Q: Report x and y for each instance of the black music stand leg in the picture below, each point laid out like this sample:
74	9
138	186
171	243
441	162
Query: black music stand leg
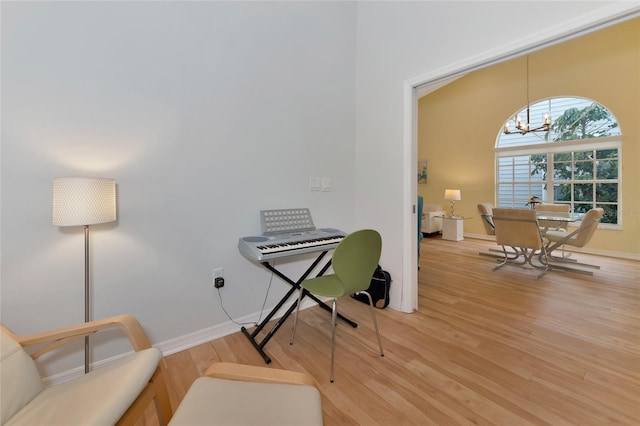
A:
252	336
306	293
258	347
294	286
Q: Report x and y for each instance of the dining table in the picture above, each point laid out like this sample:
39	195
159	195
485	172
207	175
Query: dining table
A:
556	220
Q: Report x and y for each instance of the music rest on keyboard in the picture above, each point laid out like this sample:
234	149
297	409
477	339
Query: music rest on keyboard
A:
266	247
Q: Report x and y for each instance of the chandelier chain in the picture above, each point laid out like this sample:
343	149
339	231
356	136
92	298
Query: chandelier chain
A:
528	100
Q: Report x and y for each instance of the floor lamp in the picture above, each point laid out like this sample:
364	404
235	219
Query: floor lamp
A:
79	201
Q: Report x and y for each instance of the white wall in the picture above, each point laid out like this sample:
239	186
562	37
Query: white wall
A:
204	113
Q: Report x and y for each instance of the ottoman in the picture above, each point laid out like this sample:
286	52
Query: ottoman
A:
234	394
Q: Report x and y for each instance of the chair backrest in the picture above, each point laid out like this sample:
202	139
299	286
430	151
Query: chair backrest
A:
355	259
552	208
486	211
517	228
587	228
20	381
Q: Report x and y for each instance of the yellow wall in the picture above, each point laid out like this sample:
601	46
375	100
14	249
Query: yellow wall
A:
459	123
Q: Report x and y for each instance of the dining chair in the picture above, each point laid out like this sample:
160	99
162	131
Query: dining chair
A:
518	228
354	261
578	238
549	210
486	213
117	393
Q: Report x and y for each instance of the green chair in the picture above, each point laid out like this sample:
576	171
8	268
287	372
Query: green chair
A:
354	261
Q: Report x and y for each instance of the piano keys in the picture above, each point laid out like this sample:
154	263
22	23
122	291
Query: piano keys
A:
266	247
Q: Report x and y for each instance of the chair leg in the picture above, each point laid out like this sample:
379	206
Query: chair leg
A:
555	263
511	257
295	318
573	262
504	262
334	314
493	252
161	401
375	323
156	392
546	266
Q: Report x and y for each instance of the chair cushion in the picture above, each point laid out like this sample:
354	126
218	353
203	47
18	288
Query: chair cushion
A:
100	397
326	285
556	235
212	401
19	378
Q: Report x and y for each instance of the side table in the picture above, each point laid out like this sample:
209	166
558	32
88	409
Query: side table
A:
452	228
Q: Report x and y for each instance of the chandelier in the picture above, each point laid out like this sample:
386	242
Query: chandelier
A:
524	128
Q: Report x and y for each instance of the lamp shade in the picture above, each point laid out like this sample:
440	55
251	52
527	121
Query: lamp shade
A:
83	201
452	194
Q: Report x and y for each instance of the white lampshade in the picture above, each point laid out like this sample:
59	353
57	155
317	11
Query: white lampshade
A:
83	201
452	194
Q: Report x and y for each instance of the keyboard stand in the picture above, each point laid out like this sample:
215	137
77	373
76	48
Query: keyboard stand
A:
294	286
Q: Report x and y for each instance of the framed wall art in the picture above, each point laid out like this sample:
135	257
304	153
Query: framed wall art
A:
422	172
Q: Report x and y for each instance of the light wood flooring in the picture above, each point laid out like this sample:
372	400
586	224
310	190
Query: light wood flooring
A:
484	348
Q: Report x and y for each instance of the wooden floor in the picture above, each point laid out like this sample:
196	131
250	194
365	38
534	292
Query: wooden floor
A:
484	348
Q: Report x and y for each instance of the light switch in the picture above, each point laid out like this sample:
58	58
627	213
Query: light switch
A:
315	184
327	184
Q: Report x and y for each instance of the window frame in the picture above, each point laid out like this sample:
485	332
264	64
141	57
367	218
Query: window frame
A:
550	148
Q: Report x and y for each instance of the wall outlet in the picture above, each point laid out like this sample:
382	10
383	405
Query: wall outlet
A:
218	279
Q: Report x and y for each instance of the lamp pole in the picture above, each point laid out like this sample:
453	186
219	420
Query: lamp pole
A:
87	316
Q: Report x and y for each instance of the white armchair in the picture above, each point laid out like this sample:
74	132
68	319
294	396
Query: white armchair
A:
114	394
431	218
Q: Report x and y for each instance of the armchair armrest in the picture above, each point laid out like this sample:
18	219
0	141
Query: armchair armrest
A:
251	373
431	222
56	338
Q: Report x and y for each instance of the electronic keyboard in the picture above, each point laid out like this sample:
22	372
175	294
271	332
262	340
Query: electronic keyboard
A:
265	247
288	232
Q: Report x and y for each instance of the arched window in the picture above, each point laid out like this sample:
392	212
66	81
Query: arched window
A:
576	162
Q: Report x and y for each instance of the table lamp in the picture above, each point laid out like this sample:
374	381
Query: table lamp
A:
452	195
79	201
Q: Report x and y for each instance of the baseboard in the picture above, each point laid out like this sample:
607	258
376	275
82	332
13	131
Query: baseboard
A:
188	341
177	344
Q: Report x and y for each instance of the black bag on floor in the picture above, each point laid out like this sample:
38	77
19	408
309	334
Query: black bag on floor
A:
379	289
